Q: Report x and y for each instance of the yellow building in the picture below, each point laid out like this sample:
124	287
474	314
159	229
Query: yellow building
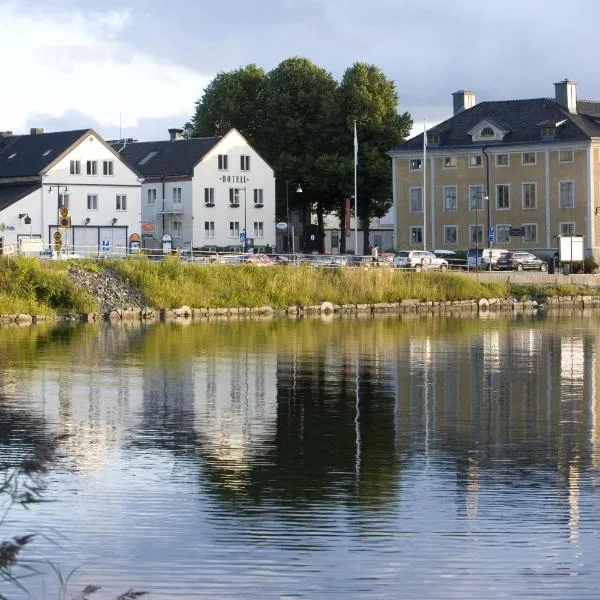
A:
516	172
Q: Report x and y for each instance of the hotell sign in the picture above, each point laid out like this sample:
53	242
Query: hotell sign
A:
234	178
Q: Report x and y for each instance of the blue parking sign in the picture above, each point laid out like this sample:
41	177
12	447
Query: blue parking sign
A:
491	234
242	236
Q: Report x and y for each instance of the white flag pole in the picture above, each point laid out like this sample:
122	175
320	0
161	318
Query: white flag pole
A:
355	191
424	186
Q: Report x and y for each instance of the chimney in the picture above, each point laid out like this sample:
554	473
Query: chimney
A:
565	93
463	100
175	134
36	130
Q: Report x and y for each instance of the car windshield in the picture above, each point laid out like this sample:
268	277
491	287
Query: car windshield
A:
403	254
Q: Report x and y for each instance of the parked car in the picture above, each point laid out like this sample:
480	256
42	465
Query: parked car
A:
485	256
521	261
456	260
419	260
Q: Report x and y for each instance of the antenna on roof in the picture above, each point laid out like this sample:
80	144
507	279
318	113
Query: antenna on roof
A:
120	134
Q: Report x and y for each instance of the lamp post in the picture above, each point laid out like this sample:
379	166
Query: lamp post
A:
58	186
245	223
489	229
287	212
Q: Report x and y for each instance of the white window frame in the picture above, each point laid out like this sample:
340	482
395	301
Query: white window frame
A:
75	167
526	239
523	186
570	153
415	164
209	229
151	199
258	197
448	228
121	202
487	132
91	167
234	229
234	196
504	227
415	229
507	164
92	201
176	229
452	207
560	196
259	229
176	195
476	229
562	229
503	186
476	193
527	163
222	162
475	161
108	168
410	199
244	162
449	162
209	195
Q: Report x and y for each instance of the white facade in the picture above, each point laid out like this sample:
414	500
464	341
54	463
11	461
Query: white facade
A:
215	205
103	196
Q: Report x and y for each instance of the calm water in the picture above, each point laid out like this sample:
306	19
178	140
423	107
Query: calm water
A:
364	458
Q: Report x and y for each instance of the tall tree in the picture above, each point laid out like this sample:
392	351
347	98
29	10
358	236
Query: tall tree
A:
370	98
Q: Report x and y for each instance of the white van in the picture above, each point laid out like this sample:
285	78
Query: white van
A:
485	256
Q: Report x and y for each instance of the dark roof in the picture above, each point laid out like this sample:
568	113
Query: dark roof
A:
522	118
27	155
11	193
178	157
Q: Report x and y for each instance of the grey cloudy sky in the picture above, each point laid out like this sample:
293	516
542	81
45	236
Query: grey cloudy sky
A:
137	66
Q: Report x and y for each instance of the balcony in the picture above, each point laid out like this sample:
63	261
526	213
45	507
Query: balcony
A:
169	208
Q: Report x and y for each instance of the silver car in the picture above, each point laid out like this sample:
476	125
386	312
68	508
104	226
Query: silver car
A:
418	260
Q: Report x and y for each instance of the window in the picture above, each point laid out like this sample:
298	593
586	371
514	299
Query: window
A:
548	132
566	194
91	167
121	202
209	196
475	197
177	195
234	229
244	162
528	158
75	167
222	160
107	167
151	196
529	195
449	162
335	239
449	198
415	164
475	234
433	139
176	227
450	234
92	201
258	197
475	161
502	160
259	229
502	234
487	132
415	199
566	228
63	199
209	229
234	196
502	196
566	156
530	232
416	234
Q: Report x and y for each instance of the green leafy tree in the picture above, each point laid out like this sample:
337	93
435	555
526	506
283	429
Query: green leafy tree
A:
370	98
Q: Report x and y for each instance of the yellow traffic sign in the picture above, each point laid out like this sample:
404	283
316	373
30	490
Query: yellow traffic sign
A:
57	236
64	211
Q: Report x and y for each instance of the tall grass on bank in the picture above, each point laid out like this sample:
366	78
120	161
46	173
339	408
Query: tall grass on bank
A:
172	283
30	286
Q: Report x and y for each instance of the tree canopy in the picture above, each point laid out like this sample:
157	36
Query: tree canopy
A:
301	120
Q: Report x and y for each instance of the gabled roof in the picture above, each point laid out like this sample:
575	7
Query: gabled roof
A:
29	155
521	117
167	158
11	193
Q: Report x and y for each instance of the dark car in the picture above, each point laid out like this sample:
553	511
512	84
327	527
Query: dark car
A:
520	261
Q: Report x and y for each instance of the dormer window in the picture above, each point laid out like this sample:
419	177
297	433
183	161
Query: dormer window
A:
415	164
487	132
548	132
433	139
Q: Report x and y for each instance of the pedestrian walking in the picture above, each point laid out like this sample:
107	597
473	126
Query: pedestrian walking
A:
375	253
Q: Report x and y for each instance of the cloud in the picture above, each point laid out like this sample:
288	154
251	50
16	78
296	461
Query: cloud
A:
78	61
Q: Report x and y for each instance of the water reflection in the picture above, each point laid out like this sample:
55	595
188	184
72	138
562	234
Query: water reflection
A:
354	458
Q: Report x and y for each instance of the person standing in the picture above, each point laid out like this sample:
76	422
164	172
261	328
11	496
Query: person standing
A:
375	253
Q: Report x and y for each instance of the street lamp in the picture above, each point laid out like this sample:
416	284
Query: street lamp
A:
489	229
245	221
287	209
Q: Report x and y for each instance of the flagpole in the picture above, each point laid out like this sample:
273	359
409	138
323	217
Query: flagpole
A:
424	186
355	192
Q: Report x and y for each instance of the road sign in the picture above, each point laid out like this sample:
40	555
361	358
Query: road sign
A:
516	231
242	236
65	222
491	234
281	225
57	236
105	245
64	211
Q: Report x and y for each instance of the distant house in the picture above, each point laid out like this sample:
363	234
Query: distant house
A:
513	174
69	190
204	193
